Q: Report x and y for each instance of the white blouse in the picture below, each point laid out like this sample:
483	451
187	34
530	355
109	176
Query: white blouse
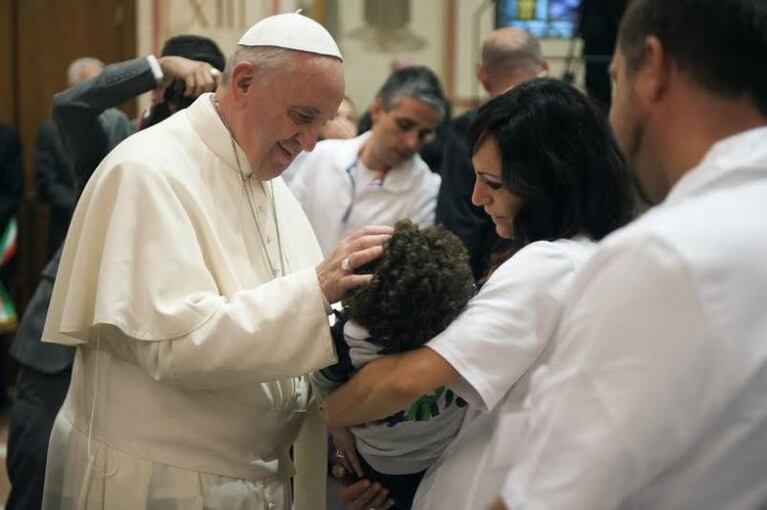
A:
494	345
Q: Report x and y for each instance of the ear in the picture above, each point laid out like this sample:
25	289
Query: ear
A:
376	110
243	77
653	76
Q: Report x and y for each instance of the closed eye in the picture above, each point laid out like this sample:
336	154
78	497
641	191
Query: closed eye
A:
490	183
300	117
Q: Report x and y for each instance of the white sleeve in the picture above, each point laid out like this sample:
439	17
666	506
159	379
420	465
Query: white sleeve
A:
260	335
506	326
631	383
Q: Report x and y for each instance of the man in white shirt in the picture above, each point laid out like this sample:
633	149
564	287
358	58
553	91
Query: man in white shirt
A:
377	178
655	397
196	295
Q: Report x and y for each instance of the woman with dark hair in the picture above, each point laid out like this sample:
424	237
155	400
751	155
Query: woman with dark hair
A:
549	174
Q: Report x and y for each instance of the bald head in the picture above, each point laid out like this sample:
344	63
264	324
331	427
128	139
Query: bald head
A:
509	57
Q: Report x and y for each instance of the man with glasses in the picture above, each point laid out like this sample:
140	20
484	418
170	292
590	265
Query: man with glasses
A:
378	177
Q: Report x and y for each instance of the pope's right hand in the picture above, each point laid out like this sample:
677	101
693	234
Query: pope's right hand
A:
336	273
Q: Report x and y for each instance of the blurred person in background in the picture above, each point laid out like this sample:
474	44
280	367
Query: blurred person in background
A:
377	178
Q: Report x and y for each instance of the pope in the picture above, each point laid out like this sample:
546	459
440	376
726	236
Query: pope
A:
195	292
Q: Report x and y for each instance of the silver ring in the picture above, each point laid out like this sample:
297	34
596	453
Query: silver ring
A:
345	265
215	72
340	454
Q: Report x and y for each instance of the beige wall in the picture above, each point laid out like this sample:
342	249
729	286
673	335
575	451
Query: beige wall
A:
366	65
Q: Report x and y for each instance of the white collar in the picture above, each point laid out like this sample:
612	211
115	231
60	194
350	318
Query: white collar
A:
737	156
206	121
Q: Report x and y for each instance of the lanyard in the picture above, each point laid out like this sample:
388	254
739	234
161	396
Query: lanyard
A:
351	171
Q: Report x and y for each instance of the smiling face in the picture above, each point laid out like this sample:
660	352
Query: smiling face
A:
280	112
489	192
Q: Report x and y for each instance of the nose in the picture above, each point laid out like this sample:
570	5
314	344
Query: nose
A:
479	195
307	138
412	142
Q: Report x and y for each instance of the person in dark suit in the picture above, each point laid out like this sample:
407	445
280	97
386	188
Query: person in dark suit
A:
55	176
510	56
55	182
91	127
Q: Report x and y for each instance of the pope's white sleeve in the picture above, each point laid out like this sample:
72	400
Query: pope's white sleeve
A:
631	383
276	330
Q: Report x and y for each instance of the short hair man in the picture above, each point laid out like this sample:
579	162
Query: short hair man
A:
654	397
377	177
510	56
194	290
83	68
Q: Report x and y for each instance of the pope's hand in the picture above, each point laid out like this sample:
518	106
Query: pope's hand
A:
336	273
199	76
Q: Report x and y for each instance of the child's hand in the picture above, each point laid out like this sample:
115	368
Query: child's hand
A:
346	453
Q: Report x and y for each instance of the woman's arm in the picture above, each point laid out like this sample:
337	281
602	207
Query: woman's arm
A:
387	385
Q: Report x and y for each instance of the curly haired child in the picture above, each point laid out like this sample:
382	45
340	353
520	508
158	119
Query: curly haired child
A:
421	283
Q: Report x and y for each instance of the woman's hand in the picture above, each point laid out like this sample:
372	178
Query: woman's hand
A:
346	452
361	495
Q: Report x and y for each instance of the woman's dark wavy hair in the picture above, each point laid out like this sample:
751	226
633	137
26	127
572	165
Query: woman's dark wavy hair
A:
421	283
559	155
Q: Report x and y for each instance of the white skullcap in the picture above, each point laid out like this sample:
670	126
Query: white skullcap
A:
292	32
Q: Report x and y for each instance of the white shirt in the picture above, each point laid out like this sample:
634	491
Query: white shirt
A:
656	394
340	195
494	345
187	379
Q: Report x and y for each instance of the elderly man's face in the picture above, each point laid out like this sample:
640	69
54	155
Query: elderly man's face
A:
400	132
283	113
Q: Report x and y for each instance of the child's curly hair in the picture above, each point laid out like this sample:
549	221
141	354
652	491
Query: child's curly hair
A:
421	283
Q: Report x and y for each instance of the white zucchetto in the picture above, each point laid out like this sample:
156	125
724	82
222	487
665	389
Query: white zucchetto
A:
293	32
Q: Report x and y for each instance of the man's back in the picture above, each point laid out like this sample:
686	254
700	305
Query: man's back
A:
667	382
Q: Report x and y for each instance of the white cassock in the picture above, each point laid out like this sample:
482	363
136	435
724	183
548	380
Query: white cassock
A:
187	388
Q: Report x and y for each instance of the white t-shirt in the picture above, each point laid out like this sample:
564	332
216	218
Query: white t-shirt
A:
339	194
494	345
655	397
